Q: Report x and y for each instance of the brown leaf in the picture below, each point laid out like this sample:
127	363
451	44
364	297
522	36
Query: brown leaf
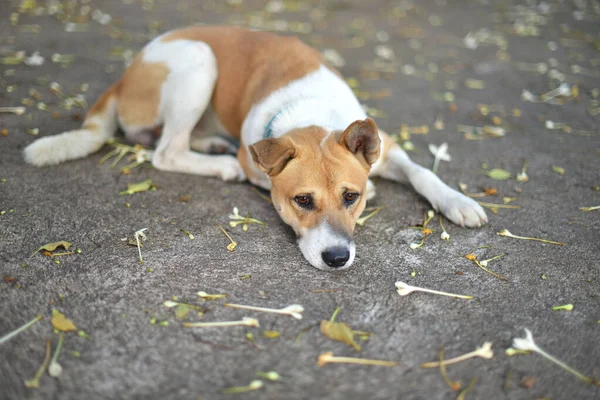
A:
60	322
528	382
9	279
339	331
53	246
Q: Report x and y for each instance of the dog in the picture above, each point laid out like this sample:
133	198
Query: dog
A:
302	133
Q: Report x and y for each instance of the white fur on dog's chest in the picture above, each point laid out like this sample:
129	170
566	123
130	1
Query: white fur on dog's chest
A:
320	98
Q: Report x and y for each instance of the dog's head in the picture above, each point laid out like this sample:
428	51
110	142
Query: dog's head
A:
319	181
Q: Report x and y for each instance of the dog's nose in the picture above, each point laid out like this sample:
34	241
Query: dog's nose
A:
336	256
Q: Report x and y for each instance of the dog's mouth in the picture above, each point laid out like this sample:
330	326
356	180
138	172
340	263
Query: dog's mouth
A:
326	249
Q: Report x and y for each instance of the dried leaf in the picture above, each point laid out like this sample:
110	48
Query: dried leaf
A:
53	246
206	296
138	187
62	323
498	174
339	331
181	311
271	334
528	382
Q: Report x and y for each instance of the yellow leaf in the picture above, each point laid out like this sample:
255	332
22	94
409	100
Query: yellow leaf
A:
271	334
60	322
558	170
53	246
138	187
206	296
181	311
339	331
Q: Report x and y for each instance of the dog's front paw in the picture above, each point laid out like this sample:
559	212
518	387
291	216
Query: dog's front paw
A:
229	169
463	210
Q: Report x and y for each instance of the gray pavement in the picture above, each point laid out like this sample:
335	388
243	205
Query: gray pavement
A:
114	299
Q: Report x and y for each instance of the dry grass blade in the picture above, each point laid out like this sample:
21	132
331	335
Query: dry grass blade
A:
35	382
506	232
454	385
14	333
463	394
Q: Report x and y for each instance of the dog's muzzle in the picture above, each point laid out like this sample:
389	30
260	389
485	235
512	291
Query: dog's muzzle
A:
327	249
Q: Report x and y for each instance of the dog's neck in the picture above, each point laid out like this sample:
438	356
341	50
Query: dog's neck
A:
321	98
303	113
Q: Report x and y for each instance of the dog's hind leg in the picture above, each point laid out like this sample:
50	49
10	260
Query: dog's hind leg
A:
458	208
186	95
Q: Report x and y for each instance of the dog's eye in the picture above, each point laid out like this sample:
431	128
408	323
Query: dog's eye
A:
350	197
304	201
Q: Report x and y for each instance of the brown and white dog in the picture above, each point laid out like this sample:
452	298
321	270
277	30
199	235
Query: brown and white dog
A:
303	134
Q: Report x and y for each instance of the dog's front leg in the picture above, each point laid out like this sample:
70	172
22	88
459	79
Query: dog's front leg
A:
458	208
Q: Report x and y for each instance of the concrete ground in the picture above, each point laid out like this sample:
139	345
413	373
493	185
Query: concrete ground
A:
131	351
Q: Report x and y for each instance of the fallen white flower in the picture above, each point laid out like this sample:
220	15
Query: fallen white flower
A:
527	344
405	289
35	60
55	369
295	310
140	234
244	322
440	153
485	351
14	110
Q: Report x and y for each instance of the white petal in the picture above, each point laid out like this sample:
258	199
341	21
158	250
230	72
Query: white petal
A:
297	308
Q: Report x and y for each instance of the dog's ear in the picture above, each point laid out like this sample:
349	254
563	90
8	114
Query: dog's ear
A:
271	155
362	139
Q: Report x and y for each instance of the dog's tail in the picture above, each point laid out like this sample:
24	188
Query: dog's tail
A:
99	125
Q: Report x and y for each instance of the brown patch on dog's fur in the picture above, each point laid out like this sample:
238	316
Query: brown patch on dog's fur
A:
140	92
101	104
252	65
